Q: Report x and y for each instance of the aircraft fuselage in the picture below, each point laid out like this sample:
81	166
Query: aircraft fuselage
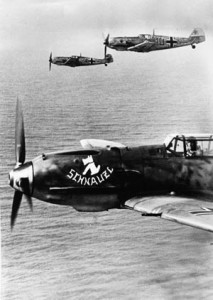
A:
92	180
148	42
77	61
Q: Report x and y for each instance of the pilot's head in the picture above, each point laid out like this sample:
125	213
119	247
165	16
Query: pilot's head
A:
193	144
170	145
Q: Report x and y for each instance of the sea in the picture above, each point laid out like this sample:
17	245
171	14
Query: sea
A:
58	253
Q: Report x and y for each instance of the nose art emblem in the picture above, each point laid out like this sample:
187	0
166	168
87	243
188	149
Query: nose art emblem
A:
90	166
92	174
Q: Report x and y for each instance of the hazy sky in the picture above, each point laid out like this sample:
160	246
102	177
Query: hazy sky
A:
30	24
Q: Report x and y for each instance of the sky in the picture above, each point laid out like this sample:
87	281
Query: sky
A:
75	24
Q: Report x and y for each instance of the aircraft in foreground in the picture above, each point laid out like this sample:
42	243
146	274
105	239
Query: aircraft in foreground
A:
77	61
153	42
173	180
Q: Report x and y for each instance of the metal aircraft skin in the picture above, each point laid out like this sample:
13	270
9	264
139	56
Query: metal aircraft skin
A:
153	42
77	61
172	180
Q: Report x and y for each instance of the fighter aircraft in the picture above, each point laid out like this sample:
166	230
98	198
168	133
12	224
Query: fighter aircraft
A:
172	180
153	42
77	61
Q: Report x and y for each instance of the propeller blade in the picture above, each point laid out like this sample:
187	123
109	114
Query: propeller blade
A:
24	183
50	61
16	204
19	135
29	201
26	188
106	41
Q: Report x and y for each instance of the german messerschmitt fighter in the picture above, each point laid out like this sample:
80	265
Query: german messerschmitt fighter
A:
173	180
77	61
153	42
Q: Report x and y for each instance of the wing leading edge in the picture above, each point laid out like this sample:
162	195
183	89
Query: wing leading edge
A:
198	214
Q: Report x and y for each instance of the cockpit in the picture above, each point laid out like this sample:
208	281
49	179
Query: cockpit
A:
189	145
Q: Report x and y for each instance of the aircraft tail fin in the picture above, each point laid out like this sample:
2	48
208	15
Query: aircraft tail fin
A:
197	35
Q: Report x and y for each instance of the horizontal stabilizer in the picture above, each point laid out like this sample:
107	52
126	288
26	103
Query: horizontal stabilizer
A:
197	35
197	32
90	144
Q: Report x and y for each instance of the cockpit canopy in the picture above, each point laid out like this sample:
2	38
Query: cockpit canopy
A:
188	145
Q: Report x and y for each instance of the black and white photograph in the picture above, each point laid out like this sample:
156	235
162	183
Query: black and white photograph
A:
106	133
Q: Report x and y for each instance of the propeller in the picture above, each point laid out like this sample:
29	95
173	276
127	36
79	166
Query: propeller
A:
50	61
19	135
22	173
106	43
105	51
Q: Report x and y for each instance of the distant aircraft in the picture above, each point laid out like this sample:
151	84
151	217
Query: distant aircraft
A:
173	180
77	61
153	42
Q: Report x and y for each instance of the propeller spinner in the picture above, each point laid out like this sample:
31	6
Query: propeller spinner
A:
21	177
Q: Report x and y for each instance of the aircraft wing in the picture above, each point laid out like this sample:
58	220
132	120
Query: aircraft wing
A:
91	144
185	211
142	47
